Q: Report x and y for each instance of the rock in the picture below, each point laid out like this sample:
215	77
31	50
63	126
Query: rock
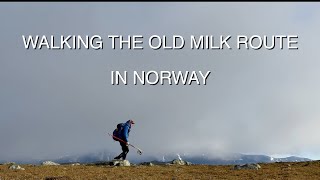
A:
75	164
180	162
16	167
119	163
247	166
9	163
49	163
147	164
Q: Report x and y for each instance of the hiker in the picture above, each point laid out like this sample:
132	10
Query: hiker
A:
123	134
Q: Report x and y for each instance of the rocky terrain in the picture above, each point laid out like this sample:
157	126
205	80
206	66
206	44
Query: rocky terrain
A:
175	169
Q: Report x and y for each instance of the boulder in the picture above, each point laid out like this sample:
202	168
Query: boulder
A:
49	163
119	163
180	162
247	166
16	167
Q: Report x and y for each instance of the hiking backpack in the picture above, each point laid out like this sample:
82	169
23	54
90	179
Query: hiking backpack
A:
117	132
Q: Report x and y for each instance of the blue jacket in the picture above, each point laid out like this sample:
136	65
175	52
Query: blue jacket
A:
125	131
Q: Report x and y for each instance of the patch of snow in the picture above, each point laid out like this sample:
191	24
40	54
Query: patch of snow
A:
179	157
49	163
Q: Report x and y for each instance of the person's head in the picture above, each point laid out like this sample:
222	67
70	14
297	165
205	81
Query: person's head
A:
131	121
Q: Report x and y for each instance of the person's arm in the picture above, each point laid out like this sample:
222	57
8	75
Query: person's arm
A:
125	133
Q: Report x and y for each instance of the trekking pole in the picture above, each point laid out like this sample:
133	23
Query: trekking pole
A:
139	150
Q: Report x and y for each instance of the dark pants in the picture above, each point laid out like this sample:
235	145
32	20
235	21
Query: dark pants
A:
125	150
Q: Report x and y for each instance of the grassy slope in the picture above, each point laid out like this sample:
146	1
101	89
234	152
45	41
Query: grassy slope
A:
302	170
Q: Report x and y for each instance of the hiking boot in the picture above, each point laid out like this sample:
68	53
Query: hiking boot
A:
117	158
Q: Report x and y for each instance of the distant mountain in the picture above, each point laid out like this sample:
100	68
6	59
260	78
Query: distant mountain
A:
241	159
291	159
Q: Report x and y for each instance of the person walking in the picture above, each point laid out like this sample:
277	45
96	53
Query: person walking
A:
123	131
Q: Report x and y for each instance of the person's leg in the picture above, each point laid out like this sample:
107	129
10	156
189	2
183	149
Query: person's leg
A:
125	150
118	157
121	154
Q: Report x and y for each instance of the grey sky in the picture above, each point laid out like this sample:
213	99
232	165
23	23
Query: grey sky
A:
54	103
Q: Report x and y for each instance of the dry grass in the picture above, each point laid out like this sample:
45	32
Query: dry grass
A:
302	170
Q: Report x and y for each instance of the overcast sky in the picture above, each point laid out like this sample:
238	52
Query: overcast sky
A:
54	103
